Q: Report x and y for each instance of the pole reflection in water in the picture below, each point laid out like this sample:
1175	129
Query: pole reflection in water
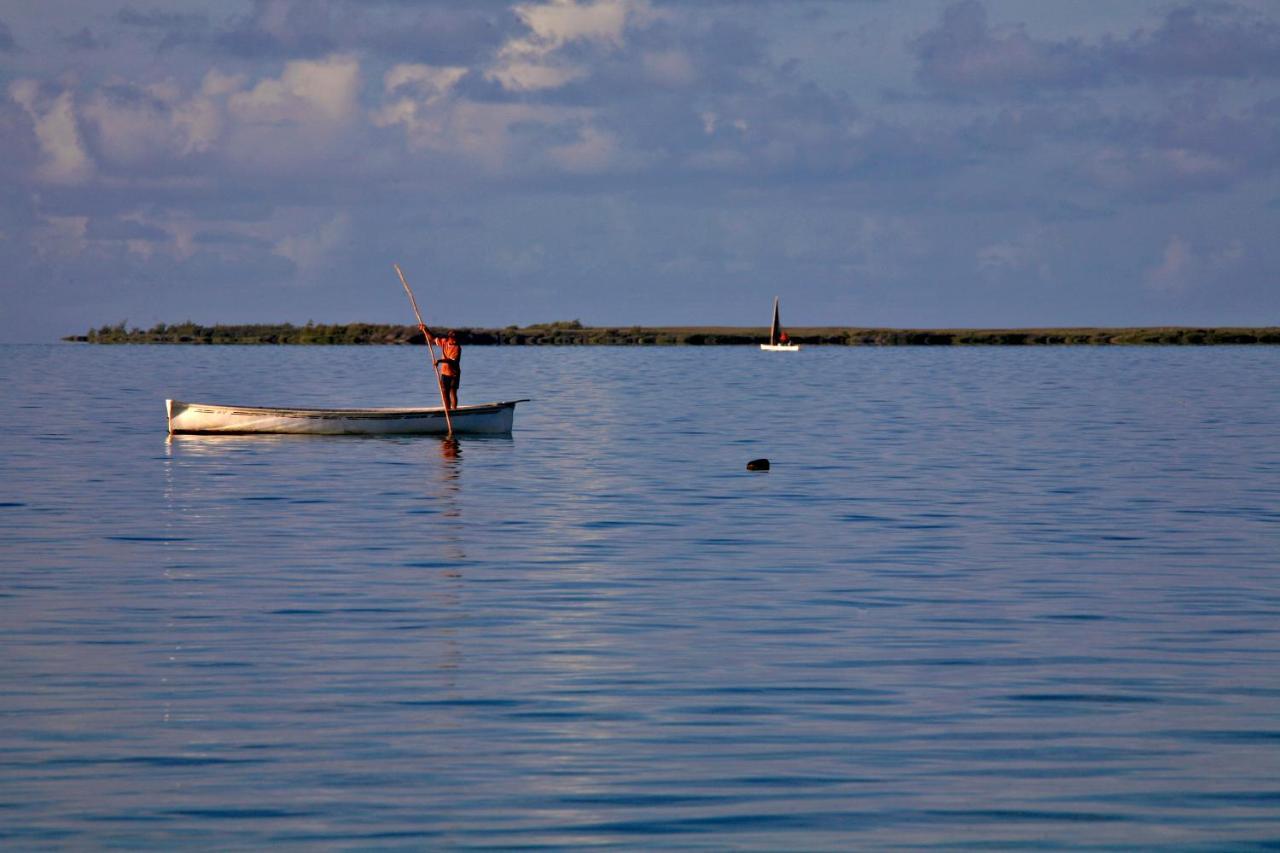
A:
448	595
450	478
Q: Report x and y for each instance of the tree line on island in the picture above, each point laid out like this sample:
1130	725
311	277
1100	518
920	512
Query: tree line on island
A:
572	332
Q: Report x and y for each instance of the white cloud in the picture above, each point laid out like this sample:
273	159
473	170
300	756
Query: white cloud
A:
424	101
562	21
61	235
669	67
157	123
65	159
594	151
1228	256
216	83
531	63
1022	254
1183	266
421	102
429	81
311	249
308	92
1174	270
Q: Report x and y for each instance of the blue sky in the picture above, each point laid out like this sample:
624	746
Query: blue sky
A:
906	163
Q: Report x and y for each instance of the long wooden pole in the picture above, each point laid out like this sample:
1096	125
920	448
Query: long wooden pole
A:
430	346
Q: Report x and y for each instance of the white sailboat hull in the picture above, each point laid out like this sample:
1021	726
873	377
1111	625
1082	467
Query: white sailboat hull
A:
204	418
780	347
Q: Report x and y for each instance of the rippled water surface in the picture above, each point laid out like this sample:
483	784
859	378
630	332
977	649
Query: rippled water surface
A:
985	596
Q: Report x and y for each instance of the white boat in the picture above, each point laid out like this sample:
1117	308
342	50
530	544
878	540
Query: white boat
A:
776	343
482	418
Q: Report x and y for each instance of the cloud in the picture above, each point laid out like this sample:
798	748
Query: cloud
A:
59	235
155	19
592	151
64	158
151	125
277	28
85	40
964	55
320	91
231	124
7	44
1020	255
122	229
311	249
231	239
493	137
1203	40
442	32
167	30
1195	145
1182	268
1173	271
538	61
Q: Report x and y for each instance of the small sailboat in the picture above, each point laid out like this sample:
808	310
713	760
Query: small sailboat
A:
778	340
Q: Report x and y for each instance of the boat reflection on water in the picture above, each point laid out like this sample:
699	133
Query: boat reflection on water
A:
222	445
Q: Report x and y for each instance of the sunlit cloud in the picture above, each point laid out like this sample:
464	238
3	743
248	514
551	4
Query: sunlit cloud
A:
310	249
308	92
532	62
64	158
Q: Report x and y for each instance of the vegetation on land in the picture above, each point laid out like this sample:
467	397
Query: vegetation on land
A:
572	332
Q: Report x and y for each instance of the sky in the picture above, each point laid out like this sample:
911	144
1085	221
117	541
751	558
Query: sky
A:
901	163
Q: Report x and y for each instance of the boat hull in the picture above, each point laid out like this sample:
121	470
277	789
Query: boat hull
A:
780	347
205	419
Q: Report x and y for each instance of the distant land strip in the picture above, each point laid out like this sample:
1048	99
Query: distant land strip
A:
572	332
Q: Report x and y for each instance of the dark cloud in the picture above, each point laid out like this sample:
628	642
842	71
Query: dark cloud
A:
167	30
438	36
1193	147
19	148
122	229
685	148
7	44
231	238
965	55
84	40
133	95
275	29
1204	40
442	33
699	102
155	19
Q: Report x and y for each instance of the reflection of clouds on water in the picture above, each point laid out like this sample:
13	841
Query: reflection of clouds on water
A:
348	549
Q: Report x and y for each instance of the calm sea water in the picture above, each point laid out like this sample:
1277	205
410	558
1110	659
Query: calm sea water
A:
985	597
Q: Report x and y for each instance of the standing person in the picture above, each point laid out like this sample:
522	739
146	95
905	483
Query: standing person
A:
450	363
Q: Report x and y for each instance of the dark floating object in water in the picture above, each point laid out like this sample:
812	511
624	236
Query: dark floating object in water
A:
758	465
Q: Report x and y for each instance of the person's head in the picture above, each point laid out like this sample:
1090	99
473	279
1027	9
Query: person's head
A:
452	334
